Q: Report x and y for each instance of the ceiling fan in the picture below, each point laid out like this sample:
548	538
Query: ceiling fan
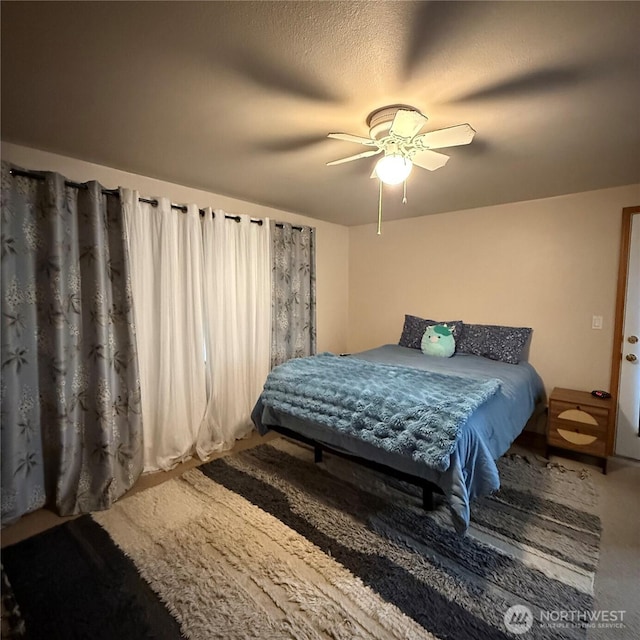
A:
395	131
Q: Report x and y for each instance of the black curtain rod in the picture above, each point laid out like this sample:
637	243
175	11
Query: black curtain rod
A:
35	175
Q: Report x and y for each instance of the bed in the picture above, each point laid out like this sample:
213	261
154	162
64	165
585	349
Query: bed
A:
505	396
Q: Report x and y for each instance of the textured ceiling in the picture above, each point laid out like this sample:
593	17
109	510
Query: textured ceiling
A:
237	97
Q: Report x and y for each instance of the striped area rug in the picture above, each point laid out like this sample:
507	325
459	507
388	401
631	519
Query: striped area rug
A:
267	544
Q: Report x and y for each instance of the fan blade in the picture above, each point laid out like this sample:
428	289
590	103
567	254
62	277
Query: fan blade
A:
407	123
430	160
450	137
364	154
350	138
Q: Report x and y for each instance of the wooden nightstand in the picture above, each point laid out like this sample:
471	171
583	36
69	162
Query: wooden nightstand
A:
581	422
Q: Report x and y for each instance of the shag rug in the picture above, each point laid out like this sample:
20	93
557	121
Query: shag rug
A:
267	544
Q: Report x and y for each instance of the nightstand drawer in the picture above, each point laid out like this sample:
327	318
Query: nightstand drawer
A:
579	437
571	411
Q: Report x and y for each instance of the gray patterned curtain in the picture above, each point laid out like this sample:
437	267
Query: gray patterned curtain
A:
293	299
71	424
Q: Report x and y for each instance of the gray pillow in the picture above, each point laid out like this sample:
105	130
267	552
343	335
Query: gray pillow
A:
414	328
506	344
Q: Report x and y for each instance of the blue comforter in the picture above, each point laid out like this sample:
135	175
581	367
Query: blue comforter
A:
480	439
401	409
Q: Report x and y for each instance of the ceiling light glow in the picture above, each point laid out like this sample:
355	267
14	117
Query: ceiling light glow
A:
393	169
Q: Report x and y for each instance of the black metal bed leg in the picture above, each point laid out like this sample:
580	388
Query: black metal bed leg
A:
427	498
317	453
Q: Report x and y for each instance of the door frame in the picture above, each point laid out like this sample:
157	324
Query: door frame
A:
618	327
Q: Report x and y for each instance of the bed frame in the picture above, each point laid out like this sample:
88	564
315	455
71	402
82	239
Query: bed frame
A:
428	488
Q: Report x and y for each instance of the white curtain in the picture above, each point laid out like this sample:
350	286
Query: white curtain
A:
201	297
166	280
238	309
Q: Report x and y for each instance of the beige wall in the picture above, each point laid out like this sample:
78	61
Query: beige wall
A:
332	239
548	264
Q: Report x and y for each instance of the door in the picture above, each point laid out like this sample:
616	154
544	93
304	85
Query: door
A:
628	416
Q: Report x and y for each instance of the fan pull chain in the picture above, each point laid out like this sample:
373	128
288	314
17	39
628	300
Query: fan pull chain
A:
404	192
380	209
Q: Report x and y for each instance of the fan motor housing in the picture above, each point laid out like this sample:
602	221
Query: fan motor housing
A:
379	121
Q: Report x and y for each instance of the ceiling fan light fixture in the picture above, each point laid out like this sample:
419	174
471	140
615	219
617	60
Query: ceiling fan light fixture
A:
393	169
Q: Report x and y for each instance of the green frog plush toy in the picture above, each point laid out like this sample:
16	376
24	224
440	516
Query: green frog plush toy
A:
438	341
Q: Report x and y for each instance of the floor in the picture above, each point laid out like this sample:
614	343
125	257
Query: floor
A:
617	586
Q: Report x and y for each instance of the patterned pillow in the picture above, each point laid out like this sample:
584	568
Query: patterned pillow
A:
415	327
495	342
